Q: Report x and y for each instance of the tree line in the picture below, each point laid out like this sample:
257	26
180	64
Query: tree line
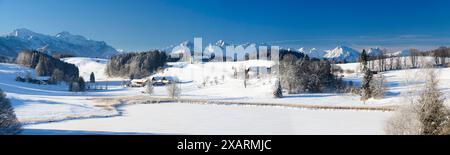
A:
411	59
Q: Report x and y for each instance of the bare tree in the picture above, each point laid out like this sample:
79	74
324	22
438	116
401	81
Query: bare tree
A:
9	125
149	89
377	85
173	90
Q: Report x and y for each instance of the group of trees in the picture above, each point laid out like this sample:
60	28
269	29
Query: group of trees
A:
136	65
46	65
300	74
9	124
440	55
58	70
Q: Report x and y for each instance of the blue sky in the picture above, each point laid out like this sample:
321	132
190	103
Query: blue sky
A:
137	25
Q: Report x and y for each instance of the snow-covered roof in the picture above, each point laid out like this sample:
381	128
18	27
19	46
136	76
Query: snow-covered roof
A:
138	80
170	78
42	78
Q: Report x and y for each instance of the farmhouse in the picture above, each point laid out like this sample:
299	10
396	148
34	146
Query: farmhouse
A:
138	82
163	80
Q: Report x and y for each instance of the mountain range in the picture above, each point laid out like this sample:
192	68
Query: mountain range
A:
340	53
64	43
77	45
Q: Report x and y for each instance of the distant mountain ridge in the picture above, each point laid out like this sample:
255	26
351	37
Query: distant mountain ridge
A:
63	42
340	53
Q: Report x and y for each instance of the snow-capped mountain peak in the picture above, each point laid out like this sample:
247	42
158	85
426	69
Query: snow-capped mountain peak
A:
301	50
377	51
313	52
221	43
22	33
342	53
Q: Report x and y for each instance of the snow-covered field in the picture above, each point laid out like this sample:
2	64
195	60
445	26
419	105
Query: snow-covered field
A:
177	118
43	103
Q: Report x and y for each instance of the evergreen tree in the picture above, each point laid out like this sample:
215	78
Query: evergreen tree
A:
365	84
367	77
433	113
278	93
81	84
9	125
92	78
364	58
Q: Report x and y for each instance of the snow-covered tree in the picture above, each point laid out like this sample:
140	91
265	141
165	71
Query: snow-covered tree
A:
433	114
9	125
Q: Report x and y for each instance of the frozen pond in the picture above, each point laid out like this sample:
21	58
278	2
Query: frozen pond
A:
179	118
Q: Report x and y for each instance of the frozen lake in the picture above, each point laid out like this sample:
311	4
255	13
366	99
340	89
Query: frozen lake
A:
179	118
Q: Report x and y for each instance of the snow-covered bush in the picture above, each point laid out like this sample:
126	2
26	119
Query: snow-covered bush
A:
9	125
404	122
